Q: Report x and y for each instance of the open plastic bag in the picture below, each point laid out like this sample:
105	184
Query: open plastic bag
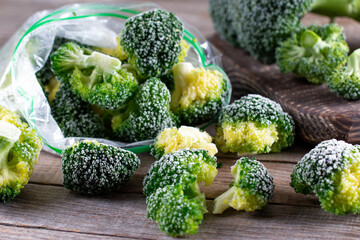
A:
93	24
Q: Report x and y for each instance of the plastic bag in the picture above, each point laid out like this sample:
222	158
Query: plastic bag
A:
92	24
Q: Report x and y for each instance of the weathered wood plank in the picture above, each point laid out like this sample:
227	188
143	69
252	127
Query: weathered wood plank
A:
124	215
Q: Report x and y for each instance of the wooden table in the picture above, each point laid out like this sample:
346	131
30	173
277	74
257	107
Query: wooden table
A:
46	210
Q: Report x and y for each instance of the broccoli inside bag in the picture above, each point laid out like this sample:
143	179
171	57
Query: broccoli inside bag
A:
95	25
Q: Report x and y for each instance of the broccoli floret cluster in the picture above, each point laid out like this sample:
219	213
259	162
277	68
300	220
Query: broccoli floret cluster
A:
172	181
97	78
147	115
199	93
251	189
332	171
313	52
346	81
152	42
90	167
174	139
19	150
254	124
259	25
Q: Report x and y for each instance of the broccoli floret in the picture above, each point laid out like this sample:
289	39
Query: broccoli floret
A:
152	41
90	167
175	213
173	139
19	150
346	81
147	115
173	180
97	78
332	171
259	25
199	93
254	124
74	116
251	189
313	52
334	8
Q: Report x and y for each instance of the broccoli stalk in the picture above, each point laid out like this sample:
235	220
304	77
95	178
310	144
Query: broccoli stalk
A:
346	81
334	8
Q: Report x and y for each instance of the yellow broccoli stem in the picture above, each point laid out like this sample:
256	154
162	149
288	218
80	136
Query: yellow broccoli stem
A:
353	62
222	202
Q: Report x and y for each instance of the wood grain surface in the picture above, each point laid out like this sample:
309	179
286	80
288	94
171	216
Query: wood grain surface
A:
46	210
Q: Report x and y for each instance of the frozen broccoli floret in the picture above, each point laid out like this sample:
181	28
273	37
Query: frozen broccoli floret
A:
96	77
251	189
147	115
174	139
90	167
74	116
346	81
332	171
199	93
254	124
175	213
152	41
19	150
174	181
313	52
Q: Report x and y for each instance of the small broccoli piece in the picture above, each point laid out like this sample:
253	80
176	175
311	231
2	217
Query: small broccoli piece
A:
199	93
173	180
251	189
97	78
175	213
19	150
254	124
258	26
74	116
90	167
173	139
332	171
346	81
334	8
152	41
147	115
313	52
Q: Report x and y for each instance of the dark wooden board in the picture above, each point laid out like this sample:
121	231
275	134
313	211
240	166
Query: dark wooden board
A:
318	113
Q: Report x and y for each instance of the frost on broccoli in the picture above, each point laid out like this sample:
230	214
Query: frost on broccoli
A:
313	52
332	171
199	93
346	81
96	77
251	189
254	124
174	139
19	150
90	167
74	116
174	181
147	115
152	41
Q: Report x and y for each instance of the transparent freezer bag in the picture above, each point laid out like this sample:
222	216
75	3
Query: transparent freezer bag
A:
93	24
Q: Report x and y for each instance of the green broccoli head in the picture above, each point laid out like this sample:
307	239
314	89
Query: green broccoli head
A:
254	124
74	116
332	171
152	41
96	77
346	81
147	115
199	93
175	213
251	189
313	52
259	25
19	150
174	139
90	167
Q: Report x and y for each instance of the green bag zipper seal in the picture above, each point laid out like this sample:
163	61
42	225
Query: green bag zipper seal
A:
45	20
